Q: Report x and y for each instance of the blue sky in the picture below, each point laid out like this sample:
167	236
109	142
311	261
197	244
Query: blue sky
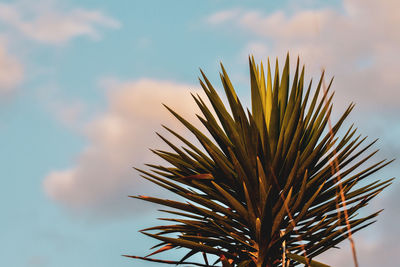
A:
81	86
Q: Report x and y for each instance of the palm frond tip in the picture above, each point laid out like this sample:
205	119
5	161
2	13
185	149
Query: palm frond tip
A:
265	177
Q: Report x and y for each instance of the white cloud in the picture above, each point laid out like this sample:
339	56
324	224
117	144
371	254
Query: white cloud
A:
102	177
46	23
11	71
358	43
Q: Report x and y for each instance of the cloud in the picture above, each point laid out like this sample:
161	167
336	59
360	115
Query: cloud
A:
376	245
358	42
223	16
37	261
44	22
70	112
11	71
118	139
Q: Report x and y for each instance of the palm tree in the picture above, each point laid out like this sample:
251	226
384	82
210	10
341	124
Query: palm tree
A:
274	186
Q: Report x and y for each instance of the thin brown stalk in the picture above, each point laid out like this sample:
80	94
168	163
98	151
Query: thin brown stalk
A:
335	169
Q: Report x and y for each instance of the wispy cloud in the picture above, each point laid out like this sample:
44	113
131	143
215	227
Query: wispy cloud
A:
102	177
44	22
11	71
223	16
358	43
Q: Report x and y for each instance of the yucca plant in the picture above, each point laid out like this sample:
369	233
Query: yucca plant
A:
273	187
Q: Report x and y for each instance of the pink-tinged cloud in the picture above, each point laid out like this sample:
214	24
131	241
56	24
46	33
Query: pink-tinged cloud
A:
357	42
223	16
102	176
45	22
11	71
376	245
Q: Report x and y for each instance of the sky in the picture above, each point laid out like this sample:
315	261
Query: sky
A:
81	87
